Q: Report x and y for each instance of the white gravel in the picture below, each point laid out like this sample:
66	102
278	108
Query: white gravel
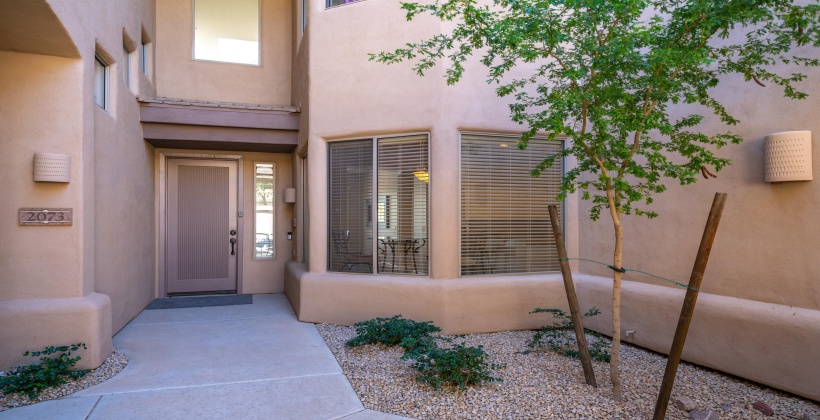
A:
543	384
113	365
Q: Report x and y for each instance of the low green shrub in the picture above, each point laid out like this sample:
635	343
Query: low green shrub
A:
459	365
390	331
50	372
560	337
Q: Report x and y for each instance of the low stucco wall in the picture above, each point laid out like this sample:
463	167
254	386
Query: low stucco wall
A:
767	343
458	306
772	344
36	323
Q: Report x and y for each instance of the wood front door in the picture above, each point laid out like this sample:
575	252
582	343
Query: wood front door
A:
202	247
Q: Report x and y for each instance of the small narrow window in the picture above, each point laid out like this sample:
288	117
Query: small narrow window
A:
263	210
144	57
100	82
304	15
227	31
126	66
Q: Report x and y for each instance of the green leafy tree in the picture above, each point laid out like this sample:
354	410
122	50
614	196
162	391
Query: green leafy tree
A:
606	75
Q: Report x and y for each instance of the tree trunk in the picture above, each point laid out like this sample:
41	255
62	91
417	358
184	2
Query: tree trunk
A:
614	375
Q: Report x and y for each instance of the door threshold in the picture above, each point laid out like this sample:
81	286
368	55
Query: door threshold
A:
194	294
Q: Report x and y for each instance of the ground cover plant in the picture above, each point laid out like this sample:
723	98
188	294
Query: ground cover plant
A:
457	365
560	337
51	371
628	83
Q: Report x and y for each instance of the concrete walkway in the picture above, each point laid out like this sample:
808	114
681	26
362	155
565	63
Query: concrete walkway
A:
224	362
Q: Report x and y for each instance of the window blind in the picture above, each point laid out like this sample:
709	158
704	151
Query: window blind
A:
505	224
351	190
401	208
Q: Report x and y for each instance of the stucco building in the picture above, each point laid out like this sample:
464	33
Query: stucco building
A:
200	146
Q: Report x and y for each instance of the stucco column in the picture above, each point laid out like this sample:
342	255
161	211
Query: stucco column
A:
317	194
444	202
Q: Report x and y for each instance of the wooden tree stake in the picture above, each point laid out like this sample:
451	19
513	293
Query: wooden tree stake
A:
577	323
689	305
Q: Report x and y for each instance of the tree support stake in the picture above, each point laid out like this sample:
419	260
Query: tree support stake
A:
577	323
689	305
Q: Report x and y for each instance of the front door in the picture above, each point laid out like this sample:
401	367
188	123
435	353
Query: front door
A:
202	233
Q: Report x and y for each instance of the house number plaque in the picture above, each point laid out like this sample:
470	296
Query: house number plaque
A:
44	217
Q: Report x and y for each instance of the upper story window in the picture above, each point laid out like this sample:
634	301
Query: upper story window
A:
332	3
505	224
379	226
126	66
146	54
227	31
101	82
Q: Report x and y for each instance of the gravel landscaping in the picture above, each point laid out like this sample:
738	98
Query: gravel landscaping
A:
543	384
113	365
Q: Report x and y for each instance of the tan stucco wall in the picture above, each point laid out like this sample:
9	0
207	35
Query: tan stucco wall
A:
777	345
351	97
459	306
261	275
81	282
40	262
32	324
180	76
768	242
124	248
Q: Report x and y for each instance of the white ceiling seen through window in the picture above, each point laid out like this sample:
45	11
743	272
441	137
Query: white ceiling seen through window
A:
227	31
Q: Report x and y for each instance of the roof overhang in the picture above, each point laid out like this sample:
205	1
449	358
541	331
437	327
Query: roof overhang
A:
188	124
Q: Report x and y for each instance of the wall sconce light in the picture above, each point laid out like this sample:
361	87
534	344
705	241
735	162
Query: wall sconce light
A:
788	156
290	195
52	167
422	175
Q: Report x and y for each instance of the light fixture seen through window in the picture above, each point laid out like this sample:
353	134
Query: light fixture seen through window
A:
422	175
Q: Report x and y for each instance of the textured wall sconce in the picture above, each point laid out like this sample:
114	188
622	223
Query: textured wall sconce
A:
290	195
52	167
788	156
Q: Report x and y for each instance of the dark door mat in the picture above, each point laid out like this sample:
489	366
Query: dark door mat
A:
200	301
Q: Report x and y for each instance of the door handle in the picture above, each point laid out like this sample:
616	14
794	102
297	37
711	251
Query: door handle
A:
233	242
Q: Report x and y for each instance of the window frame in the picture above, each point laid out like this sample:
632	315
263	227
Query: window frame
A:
258	37
374	210
106	82
513	139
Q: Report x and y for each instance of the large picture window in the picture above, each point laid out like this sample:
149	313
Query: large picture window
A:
378	200
505	224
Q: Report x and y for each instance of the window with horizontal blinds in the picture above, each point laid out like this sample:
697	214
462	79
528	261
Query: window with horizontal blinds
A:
505	224
401	208
350	187
382	222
